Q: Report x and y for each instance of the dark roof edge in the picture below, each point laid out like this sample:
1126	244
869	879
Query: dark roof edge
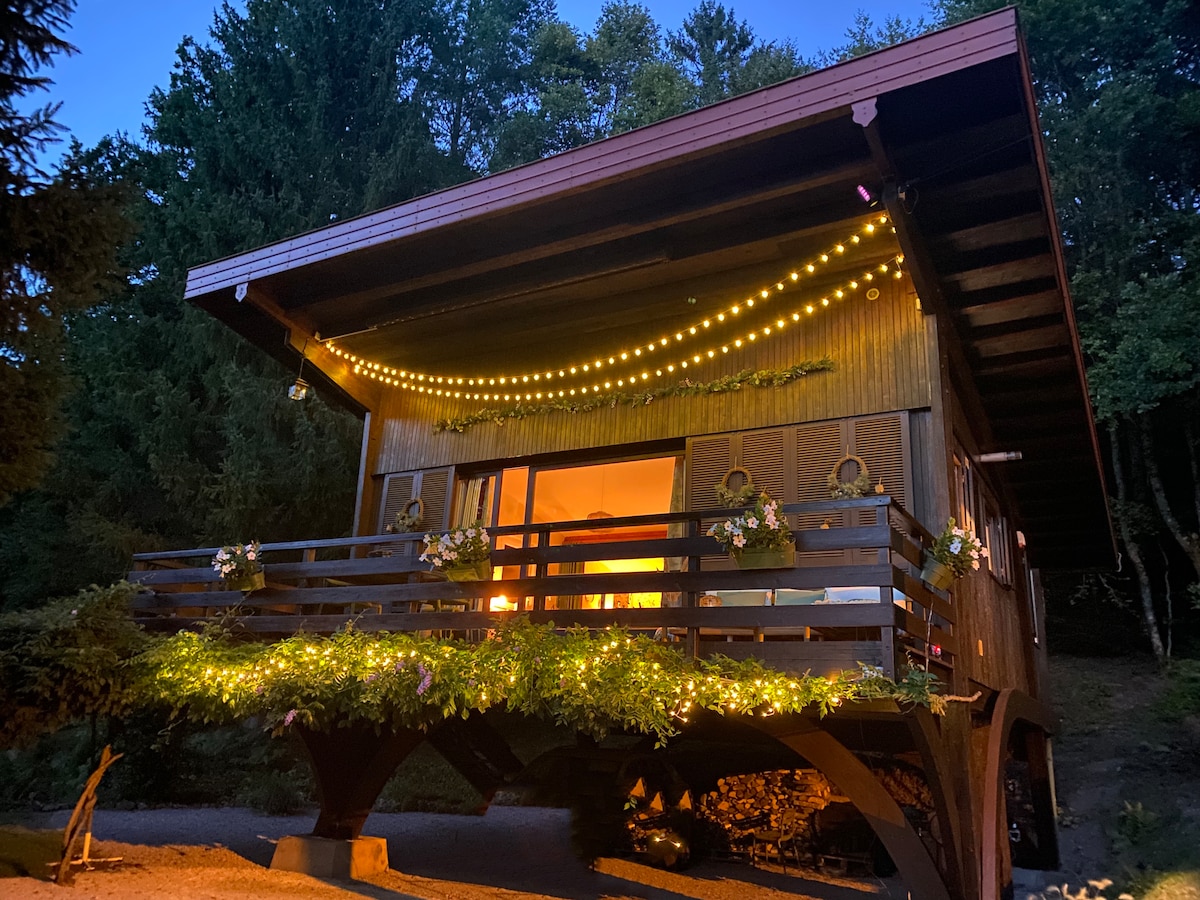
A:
1055	234
739	118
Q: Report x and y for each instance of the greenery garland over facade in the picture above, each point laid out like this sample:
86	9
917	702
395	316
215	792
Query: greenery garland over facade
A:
685	388
593	682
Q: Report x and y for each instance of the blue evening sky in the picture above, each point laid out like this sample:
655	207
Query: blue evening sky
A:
127	47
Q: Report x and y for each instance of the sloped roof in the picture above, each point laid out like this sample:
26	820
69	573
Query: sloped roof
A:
620	233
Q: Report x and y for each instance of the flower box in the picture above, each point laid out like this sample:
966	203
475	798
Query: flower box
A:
476	571
255	581
766	558
935	574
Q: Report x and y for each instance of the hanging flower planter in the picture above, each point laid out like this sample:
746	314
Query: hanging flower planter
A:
955	552
766	557
936	574
476	571
255	581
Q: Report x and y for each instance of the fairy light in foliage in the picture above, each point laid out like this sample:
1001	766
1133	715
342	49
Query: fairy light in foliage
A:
544	384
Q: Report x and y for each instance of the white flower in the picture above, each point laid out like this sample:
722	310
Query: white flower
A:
958	532
739	540
751	522
975	564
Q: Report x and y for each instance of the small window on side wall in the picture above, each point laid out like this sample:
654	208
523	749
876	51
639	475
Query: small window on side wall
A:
999	546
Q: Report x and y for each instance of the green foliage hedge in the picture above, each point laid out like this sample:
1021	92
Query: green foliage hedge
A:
84	655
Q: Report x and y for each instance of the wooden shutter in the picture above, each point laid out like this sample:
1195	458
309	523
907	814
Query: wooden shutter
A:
431	486
764	456
882	442
434	491
708	459
819	446
398	492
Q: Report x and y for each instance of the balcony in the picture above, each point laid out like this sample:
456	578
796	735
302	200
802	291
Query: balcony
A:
853	596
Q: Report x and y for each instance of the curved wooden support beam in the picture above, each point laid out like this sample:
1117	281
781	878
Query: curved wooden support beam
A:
351	766
938	761
857	782
1011	706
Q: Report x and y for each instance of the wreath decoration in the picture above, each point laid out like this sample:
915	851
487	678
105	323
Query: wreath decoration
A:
408	519
849	490
731	498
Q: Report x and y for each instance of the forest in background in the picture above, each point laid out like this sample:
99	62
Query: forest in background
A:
131	421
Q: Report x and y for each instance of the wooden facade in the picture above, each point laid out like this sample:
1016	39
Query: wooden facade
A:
647	238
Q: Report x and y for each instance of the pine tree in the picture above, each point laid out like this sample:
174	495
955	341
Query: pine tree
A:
58	240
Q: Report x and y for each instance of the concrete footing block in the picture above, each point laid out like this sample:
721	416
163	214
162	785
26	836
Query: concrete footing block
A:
328	858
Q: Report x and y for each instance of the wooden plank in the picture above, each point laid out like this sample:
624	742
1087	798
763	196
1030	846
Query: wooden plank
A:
922	630
1000	312
1011	230
746	618
333	568
999	274
808	578
820	658
1022	341
283	546
922	595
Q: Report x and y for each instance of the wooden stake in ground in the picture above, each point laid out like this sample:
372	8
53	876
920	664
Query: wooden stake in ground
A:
81	821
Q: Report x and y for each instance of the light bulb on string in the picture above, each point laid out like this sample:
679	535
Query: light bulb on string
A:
869	228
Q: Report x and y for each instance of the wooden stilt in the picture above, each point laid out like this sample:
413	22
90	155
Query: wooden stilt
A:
351	766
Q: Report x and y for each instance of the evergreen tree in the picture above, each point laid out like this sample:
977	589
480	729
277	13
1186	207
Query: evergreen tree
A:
181	432
471	70
58	240
1118	85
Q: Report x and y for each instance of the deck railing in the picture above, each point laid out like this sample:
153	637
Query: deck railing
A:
852	597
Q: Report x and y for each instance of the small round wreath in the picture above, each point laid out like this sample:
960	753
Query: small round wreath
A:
731	497
848	490
408	519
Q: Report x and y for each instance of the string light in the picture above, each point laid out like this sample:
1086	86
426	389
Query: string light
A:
380	372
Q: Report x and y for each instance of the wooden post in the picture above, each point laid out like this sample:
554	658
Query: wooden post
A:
351	766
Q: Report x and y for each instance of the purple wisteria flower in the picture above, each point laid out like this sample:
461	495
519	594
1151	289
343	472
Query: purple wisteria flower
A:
426	679
259	689
289	718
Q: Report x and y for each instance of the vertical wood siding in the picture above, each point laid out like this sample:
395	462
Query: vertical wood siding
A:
878	347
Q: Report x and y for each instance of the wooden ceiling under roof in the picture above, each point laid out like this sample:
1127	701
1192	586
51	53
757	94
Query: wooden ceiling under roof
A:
602	247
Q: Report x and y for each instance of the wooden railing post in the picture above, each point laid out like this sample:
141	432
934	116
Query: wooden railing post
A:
691	645
541	569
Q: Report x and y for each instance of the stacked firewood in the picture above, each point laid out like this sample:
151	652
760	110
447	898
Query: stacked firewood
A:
743	804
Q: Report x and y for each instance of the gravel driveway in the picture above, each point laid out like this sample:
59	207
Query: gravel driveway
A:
511	852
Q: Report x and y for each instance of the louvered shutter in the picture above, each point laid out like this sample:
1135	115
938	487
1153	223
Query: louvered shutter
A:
708	459
819	446
765	457
397	494
881	442
434	491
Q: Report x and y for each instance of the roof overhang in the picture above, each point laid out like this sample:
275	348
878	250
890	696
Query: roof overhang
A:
636	234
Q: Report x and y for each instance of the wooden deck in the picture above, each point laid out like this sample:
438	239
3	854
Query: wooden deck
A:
868	606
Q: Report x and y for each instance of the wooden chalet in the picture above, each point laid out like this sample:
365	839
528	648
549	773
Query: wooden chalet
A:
889	215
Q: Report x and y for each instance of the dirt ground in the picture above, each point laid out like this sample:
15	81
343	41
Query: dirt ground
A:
519	853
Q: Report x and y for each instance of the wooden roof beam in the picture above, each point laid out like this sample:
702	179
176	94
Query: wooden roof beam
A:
363	391
639	224
919	264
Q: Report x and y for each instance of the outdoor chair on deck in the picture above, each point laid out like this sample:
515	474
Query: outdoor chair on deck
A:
783	839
